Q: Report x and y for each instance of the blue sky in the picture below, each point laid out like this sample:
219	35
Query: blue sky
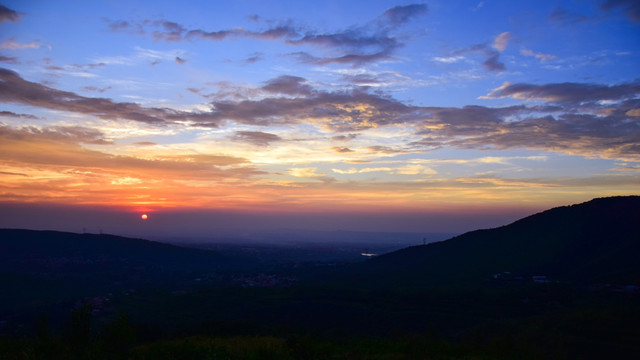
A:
326	107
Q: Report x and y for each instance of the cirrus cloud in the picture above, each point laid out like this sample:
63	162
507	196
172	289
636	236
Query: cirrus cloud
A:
368	43
257	138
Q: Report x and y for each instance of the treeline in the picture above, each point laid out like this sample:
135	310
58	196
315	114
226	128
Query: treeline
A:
586	334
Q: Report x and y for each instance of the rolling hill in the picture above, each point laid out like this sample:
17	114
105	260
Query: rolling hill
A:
593	242
53	251
40	268
432	301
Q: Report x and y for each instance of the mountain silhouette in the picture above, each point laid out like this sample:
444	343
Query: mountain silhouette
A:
593	242
47	267
54	251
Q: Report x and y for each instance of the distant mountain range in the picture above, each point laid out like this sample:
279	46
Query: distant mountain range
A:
478	289
596	241
47	267
58	252
593	242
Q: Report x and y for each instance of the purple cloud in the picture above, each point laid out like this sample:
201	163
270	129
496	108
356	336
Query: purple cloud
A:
357	45
566	92
354	59
562	15
257	138
14	89
11	114
630	7
286	84
341	150
7	14
399	15
96	89
492	63
255	57
64	134
492	56
344	137
9	59
21	144
576	118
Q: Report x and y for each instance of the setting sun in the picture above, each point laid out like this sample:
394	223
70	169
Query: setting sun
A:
273	113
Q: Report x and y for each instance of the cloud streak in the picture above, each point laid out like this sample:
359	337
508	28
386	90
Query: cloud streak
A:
501	41
566	92
630	7
574	118
11	44
9	15
11	114
60	147
541	56
358	45
490	52
399	15
15	89
257	138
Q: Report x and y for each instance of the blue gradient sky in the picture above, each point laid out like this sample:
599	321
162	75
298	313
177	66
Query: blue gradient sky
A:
315	115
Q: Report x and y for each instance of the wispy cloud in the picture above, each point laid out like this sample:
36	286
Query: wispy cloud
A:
341	150
344	137
11	114
358	45
11	44
449	59
257	138
400	15
62	134
630	7
57	146
614	136
7	14
575	118
96	89
306	172
566	92
541	56
406	169
14	88
140	54
501	41
289	85
9	59
490	52
255	57
563	16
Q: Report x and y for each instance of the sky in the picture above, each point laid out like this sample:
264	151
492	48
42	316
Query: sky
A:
441	116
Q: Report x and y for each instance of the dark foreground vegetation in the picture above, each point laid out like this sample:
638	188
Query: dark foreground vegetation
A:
591	325
557	285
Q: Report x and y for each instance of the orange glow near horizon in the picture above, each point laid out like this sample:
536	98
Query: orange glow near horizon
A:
43	170
352	117
96	178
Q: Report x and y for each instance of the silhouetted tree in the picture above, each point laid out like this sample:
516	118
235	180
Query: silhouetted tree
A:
119	337
42	327
79	326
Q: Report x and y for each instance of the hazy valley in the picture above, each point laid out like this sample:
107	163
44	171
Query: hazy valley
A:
559	284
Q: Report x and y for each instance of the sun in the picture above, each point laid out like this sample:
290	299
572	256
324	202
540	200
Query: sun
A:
144	217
